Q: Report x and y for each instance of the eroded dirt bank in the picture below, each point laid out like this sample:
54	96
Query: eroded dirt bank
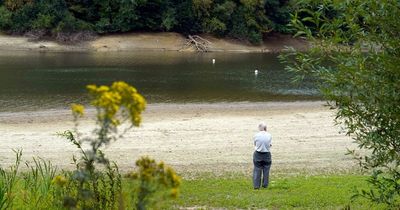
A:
147	41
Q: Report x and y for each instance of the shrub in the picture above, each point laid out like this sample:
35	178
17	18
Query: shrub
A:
355	56
89	187
5	18
114	105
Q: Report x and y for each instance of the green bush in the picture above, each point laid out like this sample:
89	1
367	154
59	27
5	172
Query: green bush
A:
169	19
70	24
355	57
5	18
278	12
43	15
215	26
43	21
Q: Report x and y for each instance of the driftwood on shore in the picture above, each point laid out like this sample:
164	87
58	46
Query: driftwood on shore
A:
197	42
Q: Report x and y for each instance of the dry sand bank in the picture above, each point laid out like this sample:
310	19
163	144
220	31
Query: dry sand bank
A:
147	41
195	137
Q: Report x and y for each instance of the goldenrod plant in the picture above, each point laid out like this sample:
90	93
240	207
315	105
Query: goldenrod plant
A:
115	105
153	178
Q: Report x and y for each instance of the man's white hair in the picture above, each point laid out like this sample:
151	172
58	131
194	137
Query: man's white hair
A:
262	126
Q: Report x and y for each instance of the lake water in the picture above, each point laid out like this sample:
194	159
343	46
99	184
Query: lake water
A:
37	80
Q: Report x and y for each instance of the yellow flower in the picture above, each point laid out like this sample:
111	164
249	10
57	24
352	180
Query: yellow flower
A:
77	110
103	88
91	87
176	179
174	192
59	180
115	122
111	99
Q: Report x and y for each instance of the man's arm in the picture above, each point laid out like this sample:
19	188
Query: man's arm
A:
270	144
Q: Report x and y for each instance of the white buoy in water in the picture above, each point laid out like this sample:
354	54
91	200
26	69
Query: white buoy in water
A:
213	60
256	72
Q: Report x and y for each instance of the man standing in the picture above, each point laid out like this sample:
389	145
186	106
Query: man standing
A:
262	156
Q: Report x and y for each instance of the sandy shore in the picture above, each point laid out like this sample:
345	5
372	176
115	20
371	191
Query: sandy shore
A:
195	137
148	42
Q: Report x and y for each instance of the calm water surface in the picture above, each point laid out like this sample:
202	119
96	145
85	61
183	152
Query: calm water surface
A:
37	81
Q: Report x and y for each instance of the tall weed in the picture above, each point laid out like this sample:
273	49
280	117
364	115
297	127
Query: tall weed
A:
8	179
37	182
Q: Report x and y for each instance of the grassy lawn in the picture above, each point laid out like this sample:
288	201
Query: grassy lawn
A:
233	192
302	192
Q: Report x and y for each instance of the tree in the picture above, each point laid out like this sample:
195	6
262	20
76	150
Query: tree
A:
187	20
355	55
156	15
249	21
278	11
5	18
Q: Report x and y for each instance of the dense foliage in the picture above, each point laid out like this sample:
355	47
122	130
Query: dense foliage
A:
241	19
356	57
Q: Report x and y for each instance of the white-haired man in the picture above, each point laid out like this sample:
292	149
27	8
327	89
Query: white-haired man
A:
262	156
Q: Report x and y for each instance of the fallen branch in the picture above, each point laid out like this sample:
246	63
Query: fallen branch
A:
197	42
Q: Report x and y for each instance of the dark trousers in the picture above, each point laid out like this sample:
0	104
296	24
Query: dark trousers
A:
262	163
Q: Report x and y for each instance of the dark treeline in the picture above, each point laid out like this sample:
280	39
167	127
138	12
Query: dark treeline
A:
241	19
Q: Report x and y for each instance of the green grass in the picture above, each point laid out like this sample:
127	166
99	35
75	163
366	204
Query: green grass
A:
233	192
302	192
